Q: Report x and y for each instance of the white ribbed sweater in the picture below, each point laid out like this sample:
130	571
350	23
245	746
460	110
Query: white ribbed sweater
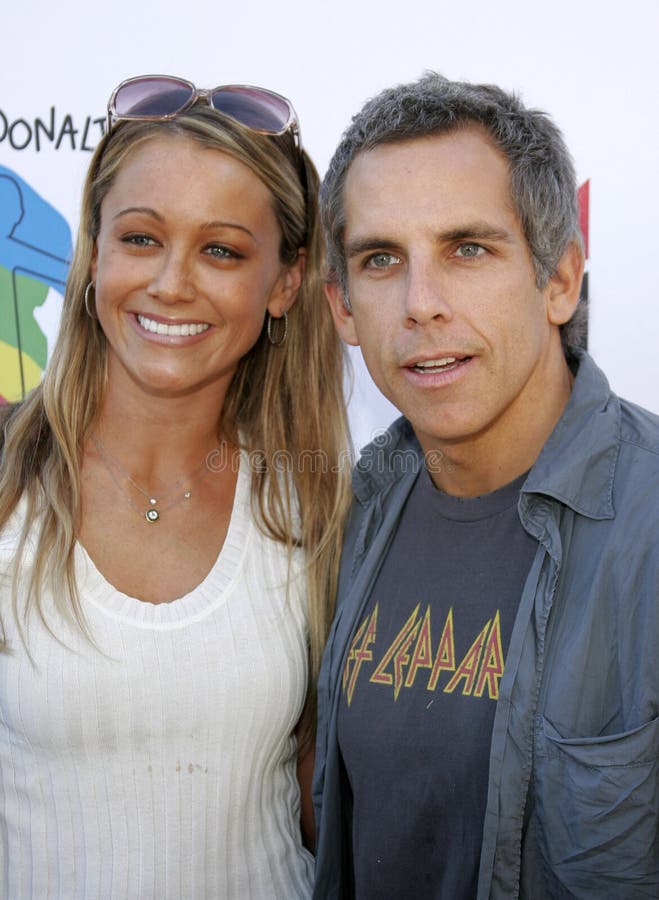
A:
162	766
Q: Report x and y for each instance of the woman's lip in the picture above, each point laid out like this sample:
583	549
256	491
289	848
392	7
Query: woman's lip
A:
173	328
181	332
169	320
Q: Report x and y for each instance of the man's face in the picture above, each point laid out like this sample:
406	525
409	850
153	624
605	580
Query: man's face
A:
442	288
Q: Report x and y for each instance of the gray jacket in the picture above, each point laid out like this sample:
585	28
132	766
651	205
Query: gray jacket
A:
573	799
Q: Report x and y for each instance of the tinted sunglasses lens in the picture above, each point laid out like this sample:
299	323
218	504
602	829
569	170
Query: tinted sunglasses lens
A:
151	97
252	107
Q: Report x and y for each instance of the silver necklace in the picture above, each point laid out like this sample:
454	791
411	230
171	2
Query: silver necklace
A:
155	509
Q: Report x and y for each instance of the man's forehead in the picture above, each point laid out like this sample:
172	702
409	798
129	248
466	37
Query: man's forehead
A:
472	133
461	170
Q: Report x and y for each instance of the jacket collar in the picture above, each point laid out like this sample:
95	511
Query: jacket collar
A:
576	465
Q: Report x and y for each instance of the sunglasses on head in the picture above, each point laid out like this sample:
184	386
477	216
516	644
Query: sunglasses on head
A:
163	97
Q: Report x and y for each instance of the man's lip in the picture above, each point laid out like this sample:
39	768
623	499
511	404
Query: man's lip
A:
436	357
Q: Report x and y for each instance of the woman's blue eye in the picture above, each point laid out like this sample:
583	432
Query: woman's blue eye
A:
138	240
220	252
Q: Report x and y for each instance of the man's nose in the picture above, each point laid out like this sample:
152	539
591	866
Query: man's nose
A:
427	296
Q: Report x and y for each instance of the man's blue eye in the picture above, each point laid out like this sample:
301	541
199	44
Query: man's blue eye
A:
469	251
382	260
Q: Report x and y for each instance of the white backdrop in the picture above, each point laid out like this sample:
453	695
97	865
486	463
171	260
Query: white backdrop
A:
593	66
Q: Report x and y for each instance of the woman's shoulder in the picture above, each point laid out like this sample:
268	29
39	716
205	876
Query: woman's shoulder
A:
7	410
12	530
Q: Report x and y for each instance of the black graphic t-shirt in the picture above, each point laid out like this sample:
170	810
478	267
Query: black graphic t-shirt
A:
419	691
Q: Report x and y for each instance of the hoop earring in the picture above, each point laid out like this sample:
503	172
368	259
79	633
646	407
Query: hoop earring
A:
277	341
92	315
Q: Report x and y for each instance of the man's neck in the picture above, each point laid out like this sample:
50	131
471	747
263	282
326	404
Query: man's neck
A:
492	459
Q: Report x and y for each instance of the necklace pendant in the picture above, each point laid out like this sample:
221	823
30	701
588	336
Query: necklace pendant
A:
152	516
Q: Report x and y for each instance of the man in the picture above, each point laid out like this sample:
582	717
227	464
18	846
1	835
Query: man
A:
489	699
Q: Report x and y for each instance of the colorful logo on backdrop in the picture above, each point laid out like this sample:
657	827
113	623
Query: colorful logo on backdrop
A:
35	251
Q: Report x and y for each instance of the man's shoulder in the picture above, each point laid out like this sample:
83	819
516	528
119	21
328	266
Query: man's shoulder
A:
639	428
602	447
636	485
636	424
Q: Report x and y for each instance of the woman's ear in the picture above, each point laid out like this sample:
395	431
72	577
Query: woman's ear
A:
94	263
288	284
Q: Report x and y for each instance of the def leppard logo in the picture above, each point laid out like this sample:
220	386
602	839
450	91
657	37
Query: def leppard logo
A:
412	655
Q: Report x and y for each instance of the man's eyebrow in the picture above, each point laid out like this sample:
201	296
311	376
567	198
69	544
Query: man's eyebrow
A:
357	245
473	231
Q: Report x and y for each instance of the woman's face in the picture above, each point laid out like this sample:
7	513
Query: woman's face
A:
185	266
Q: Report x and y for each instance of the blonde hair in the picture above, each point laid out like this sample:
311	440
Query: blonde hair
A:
286	403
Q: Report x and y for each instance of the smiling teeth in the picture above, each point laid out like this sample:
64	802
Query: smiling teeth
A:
436	363
186	329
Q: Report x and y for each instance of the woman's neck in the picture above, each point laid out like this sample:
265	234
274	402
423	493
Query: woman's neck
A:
160	439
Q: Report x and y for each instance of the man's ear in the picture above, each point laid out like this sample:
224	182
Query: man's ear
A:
564	286
343	319
285	291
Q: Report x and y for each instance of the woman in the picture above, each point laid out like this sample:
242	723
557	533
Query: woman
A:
170	501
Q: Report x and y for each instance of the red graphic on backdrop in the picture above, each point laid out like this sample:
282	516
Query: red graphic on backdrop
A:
584	212
583	196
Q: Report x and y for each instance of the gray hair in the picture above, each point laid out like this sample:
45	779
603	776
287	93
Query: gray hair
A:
542	178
